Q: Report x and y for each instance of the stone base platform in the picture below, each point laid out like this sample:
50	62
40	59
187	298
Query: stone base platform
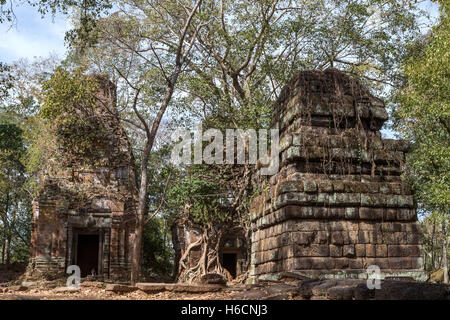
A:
407	274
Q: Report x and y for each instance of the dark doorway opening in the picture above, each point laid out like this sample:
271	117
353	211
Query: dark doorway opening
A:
87	254
229	261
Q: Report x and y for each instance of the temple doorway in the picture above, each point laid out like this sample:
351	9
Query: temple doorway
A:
87	254
233	253
230	263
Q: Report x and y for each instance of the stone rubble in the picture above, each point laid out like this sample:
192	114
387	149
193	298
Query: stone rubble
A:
316	289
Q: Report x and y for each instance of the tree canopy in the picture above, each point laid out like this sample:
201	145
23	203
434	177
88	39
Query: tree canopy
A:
424	114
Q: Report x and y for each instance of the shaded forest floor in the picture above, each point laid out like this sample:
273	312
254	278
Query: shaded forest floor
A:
11	272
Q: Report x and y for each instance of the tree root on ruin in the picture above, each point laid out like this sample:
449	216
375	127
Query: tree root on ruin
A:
209	261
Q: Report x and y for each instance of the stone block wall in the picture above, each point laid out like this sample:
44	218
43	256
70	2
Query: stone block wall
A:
338	203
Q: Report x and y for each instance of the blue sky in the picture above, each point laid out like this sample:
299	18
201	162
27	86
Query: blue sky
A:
34	36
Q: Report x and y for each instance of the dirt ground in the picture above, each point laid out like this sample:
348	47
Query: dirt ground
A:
14	287
96	291
101	294
11	278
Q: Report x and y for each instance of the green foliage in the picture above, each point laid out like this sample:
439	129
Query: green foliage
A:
65	92
40	146
11	145
69	107
423	115
249	50
158	255
198	197
5	80
432	238
23	150
15	205
12	151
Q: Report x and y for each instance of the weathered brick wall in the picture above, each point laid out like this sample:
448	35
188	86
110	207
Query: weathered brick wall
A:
88	198
338	203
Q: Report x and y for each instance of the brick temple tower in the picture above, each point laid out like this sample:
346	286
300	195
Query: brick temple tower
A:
338	203
84	213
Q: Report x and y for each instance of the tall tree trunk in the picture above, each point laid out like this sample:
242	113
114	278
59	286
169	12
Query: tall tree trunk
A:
143	193
141	213
177	249
3	250
444	249
151	135
5	229
433	234
7	250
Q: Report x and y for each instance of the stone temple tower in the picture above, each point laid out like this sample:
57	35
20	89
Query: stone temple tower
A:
338	204
84	213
